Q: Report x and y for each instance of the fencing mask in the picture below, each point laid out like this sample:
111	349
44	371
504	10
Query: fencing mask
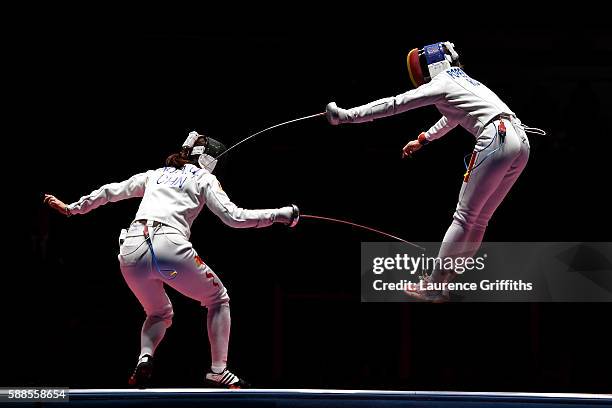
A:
429	61
206	155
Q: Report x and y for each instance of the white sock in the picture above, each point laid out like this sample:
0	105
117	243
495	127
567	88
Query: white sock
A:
217	370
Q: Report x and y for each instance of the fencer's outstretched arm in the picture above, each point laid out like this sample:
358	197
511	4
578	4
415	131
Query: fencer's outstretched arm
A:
133	187
427	94
232	215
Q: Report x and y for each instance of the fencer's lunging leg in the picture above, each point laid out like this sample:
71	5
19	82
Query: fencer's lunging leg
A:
197	281
218	323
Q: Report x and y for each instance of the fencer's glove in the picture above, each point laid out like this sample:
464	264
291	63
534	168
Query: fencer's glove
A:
414	145
57	204
288	215
335	115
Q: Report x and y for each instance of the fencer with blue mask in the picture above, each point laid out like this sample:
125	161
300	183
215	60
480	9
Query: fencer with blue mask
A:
500	154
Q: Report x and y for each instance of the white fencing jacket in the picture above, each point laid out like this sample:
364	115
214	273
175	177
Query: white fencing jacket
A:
175	197
461	100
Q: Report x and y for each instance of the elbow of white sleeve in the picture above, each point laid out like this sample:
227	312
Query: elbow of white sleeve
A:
380	109
232	222
236	219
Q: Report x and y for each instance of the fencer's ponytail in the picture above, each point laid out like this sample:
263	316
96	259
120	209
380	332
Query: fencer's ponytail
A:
178	160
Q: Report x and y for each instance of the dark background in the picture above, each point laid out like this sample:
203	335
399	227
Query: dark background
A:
106	97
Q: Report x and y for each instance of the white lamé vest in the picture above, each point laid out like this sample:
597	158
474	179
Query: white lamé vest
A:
175	197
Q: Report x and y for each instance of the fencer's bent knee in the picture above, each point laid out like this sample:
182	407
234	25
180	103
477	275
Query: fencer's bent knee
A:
222	301
463	218
162	316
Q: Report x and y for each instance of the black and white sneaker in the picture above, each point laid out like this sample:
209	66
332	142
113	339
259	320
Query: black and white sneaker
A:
141	377
226	379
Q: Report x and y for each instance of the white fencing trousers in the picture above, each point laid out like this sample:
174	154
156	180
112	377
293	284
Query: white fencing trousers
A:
495	166
182	269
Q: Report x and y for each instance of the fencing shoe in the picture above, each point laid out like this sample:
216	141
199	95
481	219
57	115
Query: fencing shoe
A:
142	373
225	379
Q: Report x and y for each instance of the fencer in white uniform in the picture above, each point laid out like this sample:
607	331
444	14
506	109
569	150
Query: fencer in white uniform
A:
156	250
499	157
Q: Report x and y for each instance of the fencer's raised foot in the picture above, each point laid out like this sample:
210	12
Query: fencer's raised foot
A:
141	377
425	295
225	379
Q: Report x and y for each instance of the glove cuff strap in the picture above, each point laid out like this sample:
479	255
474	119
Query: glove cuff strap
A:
422	139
